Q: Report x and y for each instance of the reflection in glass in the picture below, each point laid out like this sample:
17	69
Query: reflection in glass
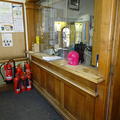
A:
64	27
66	37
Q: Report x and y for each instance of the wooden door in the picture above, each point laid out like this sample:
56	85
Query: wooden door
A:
114	106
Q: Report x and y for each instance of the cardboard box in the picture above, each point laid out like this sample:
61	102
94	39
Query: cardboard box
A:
36	48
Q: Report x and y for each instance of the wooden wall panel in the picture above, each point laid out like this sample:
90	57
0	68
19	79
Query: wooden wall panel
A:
30	14
96	34
72	102
114	104
53	86
36	73
78	103
50	84
108	14
107	23
43	78
34	22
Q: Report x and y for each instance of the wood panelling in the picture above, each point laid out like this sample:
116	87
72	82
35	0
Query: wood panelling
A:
43	78
105	14
96	34
16	60
72	101
105	34
36	74
114	105
53	86
100	106
84	84
78	103
34	21
107	24
46	80
50	84
30	14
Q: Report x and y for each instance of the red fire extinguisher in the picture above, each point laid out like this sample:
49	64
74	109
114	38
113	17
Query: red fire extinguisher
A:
19	80
28	82
8	72
17	85
23	79
28	76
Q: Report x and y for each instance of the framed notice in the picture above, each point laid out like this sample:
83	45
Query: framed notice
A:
74	4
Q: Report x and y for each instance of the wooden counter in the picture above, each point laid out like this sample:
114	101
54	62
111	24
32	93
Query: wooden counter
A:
80	70
72	90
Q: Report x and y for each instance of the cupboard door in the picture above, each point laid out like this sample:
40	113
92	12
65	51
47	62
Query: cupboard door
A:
43	78
78	104
57	89
35	73
53	86
50	84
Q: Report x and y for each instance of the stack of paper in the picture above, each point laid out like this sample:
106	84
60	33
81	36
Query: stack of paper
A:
52	58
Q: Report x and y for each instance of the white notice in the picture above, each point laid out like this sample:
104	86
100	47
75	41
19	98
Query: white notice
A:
18	18
7	40
6	12
17	11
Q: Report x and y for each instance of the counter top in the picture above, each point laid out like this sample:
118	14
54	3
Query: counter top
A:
85	72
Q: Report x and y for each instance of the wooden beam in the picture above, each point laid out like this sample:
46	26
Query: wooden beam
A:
14	1
32	1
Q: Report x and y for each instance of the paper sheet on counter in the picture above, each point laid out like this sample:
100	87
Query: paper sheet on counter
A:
52	58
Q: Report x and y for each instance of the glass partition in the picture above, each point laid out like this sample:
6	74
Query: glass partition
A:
67	25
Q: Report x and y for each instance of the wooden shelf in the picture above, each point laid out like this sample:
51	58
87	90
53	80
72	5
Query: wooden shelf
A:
16	59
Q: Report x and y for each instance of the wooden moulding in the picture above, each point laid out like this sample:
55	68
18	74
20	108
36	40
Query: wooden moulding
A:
16	59
32	1
12	1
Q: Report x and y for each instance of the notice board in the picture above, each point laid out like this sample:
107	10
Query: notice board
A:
12	37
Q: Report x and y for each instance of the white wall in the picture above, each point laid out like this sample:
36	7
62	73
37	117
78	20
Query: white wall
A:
86	7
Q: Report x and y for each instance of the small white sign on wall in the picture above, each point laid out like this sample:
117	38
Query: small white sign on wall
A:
18	17
7	40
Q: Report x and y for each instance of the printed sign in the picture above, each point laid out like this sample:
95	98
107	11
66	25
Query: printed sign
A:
7	40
